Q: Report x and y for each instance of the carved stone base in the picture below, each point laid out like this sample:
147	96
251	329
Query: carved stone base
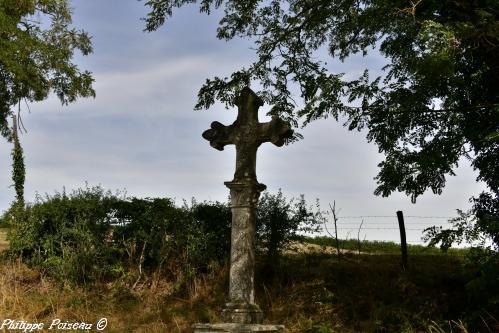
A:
236	328
242	313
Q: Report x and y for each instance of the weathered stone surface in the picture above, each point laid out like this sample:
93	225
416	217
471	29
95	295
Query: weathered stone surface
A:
242	313
241	307
237	328
247	134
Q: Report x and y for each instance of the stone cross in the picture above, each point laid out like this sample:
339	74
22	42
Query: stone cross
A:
247	134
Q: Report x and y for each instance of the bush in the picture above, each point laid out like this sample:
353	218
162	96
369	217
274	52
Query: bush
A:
478	227
213	221
154	232
148	231
280	221
483	288
64	234
92	234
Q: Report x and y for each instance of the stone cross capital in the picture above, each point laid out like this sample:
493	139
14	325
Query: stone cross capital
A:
247	134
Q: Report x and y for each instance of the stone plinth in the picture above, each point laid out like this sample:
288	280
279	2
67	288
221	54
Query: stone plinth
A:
237	328
242	313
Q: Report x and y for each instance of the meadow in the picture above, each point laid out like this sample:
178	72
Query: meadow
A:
307	292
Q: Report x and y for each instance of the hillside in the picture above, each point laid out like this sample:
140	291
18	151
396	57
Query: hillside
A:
307	292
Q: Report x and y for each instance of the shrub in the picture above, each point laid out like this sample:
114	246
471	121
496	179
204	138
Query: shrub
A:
143	231
92	234
478	227
212	221
64	234
7	218
153	232
280	221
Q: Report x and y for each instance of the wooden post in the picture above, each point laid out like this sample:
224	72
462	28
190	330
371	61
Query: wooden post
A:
403	242
333	210
358	236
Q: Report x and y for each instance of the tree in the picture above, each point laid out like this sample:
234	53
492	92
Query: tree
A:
37	44
436	101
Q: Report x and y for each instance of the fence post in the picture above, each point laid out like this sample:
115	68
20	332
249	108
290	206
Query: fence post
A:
403	242
333	210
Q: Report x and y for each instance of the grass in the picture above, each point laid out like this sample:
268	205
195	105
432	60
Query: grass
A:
308	293
367	293
152	306
382	247
4	244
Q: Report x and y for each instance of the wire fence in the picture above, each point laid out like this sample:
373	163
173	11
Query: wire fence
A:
382	227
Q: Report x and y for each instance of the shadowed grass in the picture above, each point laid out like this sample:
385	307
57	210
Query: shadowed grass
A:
365	293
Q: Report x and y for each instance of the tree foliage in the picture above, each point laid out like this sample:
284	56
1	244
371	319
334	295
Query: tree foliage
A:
478	227
37	45
436	101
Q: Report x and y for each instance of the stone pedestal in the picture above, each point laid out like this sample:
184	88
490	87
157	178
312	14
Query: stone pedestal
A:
242	313
236	328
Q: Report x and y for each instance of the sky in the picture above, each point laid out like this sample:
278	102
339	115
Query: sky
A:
141	134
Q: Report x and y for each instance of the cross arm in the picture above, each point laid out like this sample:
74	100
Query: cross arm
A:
219	135
275	131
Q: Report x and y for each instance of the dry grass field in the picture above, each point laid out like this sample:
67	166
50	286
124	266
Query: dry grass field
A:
309	293
3	239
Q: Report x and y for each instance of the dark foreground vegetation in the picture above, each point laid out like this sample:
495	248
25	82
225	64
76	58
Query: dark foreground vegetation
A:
149	265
